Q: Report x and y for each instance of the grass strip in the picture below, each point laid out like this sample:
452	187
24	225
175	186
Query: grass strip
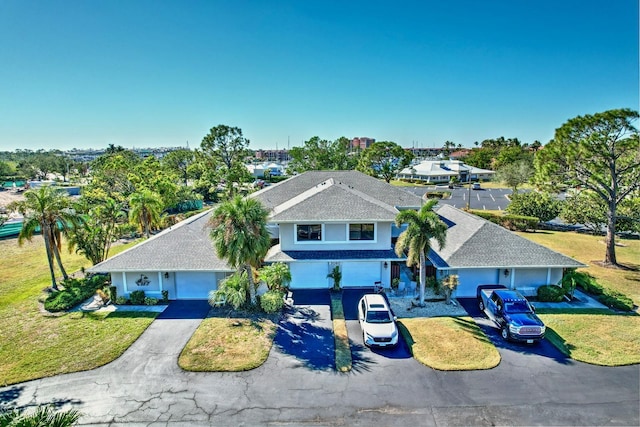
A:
597	337
449	343
343	349
340	334
222	344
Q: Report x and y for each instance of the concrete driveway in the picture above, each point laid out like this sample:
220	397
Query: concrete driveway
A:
144	387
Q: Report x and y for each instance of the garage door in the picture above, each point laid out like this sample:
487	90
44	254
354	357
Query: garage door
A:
309	275
195	284
360	274
470	279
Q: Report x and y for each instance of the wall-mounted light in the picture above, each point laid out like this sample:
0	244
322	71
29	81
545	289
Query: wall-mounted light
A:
166	275
385	265
506	273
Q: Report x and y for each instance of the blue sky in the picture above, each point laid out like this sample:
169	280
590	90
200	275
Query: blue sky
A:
160	73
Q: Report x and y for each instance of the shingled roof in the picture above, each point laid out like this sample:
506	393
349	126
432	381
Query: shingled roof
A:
475	242
333	201
184	247
280	193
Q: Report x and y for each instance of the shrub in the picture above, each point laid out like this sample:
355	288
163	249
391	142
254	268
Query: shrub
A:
165	296
137	297
150	301
510	222
271	301
113	293
437	194
616	300
75	291
550	293
121	300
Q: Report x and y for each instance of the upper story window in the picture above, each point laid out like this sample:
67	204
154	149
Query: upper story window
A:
361	232
309	232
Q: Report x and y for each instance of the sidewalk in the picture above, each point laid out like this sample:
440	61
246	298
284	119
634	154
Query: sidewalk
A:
581	300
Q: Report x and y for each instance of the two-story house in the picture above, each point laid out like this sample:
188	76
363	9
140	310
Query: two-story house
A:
323	219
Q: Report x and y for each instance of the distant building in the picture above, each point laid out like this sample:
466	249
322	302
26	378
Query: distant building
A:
425	152
89	155
362	142
280	156
441	171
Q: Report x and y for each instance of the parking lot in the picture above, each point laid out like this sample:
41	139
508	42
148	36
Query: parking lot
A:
483	199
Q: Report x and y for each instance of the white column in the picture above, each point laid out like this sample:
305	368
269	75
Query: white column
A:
548	276
160	280
513	279
124	282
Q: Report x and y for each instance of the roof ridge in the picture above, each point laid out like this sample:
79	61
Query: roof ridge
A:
303	196
153	238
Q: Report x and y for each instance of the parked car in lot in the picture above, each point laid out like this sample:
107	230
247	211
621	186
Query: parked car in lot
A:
511	312
476	186
378	323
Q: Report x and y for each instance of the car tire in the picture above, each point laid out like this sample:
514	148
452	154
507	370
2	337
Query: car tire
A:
505	333
481	306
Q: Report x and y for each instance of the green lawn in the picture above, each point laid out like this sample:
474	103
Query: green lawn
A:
34	346
449	343
599	337
587	249
229	344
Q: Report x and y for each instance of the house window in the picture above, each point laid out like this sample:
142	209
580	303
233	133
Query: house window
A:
360	231
309	232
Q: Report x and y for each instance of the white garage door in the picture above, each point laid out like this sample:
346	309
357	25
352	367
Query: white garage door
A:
195	284
309	275
469	280
360	274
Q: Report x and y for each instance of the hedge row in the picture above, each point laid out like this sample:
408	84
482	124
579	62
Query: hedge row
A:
510	222
75	291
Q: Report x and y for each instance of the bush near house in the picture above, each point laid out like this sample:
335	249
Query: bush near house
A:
272	301
137	297
75	291
550	293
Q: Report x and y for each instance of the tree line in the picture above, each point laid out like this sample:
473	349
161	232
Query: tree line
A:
596	156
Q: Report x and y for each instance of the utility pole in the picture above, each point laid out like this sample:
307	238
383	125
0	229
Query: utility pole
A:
469	197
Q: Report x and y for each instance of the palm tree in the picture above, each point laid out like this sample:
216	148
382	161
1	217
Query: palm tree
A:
42	416
422	226
97	230
145	209
240	236
49	209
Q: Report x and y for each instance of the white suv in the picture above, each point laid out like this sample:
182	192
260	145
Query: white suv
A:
377	322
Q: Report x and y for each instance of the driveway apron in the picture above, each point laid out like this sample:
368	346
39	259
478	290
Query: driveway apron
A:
157	349
305	332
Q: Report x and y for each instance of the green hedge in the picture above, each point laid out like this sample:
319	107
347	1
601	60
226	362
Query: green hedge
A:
75	291
437	194
610	298
550	293
510	222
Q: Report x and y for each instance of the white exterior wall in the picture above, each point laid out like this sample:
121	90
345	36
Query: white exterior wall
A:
527	280
181	284
469	279
310	275
382	239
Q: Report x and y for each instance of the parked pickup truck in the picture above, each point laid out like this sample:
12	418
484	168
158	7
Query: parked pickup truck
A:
511	312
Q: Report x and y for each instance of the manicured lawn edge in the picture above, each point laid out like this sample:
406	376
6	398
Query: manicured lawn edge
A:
449	343
340	334
594	336
228	344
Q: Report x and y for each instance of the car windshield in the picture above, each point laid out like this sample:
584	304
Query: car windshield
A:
378	317
517	307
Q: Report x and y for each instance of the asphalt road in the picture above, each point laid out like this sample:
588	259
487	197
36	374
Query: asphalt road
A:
484	199
296	387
